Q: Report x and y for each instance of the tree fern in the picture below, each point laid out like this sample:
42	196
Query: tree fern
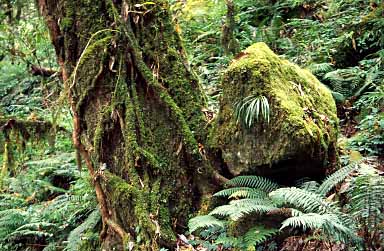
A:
258	182
250	109
204	221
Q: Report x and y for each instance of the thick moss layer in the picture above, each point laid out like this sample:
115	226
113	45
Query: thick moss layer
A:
137	112
303	124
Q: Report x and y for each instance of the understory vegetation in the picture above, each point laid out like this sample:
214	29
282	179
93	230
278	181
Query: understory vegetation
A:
47	200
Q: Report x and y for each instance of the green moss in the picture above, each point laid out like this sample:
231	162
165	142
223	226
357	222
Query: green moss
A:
303	112
66	23
139	121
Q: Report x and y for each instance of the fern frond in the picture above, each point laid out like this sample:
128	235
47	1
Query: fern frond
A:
247	202
52	246
16	235
228	241
332	180
37	226
308	221
12	212
295	212
8	201
329	223
258	234
237	211
338	97
367	200
302	199
250	108
10	220
74	237
346	81
309	202
258	182
241	192
321	68
204	221
308	185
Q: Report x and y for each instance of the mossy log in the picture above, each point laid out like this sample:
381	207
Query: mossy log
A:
301	136
138	119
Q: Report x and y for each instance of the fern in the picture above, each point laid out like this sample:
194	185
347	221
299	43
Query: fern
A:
246	202
7	201
367	200
228	241
338	97
204	221
302	199
237	210
346	81
52	246
27	233
10	220
254	195
258	234
241	192
36	226
74	238
257	182
332	180
309	202
321	68
311	186
250	109
329	223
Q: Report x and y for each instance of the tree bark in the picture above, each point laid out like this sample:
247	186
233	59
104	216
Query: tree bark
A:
138	122
228	39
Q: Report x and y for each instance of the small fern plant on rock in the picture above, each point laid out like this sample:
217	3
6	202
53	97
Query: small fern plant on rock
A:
254	198
252	108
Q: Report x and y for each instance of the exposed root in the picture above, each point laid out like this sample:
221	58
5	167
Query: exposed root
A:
95	176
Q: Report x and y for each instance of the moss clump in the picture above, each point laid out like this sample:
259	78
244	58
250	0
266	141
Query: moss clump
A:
303	124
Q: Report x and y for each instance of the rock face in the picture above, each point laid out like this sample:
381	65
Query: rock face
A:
303	126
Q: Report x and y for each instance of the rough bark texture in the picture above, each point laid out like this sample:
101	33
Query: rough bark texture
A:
137	115
228	39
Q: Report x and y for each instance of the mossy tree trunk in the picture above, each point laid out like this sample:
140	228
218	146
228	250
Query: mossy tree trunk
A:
138	122
228	40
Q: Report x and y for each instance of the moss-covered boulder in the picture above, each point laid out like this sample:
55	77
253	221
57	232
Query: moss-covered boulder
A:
302	129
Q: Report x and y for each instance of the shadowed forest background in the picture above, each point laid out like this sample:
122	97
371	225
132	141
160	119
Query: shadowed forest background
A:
191	125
